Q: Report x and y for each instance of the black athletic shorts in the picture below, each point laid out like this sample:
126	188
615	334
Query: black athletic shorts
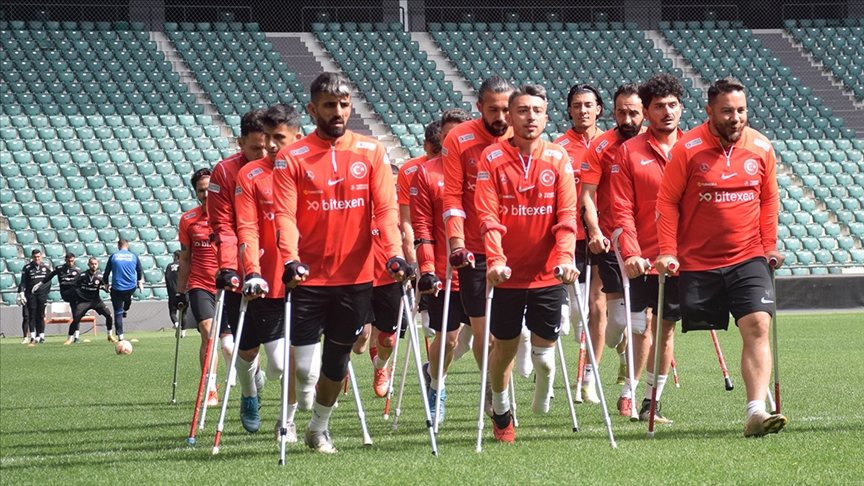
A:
264	322
610	273
707	297
384	311
540	307
338	312
230	313
203	305
424	303
69	296
456	313
644	293
472	287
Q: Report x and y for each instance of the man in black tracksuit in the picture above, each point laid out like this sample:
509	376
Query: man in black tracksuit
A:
32	274
66	275
87	297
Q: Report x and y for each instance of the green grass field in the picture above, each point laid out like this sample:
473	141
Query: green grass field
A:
83	415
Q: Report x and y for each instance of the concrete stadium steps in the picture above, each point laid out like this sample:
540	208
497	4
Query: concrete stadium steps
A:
806	67
451	74
678	60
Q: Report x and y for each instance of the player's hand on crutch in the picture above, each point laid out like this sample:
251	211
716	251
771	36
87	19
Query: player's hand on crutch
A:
399	269
254	286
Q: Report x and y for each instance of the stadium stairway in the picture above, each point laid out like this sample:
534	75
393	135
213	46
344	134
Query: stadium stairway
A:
809	70
306	61
443	63
678	60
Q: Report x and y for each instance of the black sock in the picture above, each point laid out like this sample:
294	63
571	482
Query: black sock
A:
501	421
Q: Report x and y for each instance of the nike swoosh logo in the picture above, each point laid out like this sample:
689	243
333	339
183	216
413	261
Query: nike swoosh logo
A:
331	182
557	329
357	333
524	189
646	162
766	301
728	176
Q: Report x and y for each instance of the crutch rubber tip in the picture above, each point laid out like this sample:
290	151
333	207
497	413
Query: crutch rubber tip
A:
216	450
281	462
650	435
729	385
386	416
173	400
191	440
614	445
435	453
478	450
367	440
575	429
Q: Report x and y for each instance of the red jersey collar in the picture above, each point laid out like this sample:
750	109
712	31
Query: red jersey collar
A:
340	143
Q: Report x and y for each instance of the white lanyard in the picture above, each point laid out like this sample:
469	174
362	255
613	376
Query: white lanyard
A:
728	155
525	167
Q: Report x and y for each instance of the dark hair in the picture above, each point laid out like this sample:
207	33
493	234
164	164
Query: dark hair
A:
432	135
335	84
394	168
35	252
725	85
252	123
660	85
455	115
585	88
529	90
122	242
92	258
281	114
626	89
493	84
70	255
176	253
204	172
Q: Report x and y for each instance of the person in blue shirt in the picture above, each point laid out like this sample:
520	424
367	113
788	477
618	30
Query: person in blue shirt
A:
123	273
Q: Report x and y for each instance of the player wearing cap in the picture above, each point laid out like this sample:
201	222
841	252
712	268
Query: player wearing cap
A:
627	110
635	180
331	183
526	203
717	219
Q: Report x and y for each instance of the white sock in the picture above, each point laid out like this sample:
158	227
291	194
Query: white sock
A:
211	383
379	365
41	335
524	364
544	365
320	417
650	384
754	407
260	379
463	342
588	376
121	337
629	390
660	384
437	384
69	338
77	334
501	401
245	373
308	361
292	411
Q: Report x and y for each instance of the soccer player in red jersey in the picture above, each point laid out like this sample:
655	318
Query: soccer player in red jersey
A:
220	211
717	222
585	105
595	187
635	180
197	267
327	187
427	205
526	203
261	261
461	153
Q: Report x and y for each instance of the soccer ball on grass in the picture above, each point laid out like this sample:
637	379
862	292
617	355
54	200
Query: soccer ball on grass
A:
123	347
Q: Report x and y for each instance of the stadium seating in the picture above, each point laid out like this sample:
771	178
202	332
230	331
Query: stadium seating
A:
837	47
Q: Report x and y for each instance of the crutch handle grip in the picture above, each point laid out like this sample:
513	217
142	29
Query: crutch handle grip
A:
557	271
507	271
772	262
672	267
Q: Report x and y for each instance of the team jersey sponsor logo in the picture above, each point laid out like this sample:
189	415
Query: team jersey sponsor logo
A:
411	170
547	195
552	153
310	175
267	191
201	244
503	179
440	183
336	204
466	137
704	168
585	166
365	145
214	188
564	142
751	183
693	143
280	164
706	184
762	144
269	216
472	162
494	155
727	197
568	167
482	176
358	170
300	151
398	189
547	177
577	179
751	166
523	210
313	191
615	169
238	190
412	191
254	172
602	145
444	151
190	215
359	187
728	176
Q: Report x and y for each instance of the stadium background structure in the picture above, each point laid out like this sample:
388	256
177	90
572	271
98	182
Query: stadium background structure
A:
103	120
